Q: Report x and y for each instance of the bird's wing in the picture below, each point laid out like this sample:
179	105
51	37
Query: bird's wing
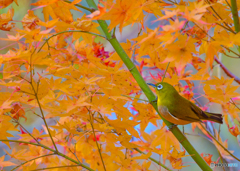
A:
186	111
201	114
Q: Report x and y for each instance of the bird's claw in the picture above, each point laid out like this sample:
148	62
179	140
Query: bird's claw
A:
171	127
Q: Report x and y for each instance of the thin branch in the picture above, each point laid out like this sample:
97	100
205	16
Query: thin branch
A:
219	143
99	150
221	158
228	3
225	27
219	16
74	155
227	72
43	146
165	71
26	92
140	31
33	159
114	32
134	98
23	128
43	117
69	31
56	167
152	159
214	40
231	56
31	67
173	2
81	6
24	78
235	104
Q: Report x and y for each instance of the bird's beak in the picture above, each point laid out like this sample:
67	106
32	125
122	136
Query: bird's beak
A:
151	84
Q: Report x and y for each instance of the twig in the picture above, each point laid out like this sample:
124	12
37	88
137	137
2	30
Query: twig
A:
235	104
165	71
135	98
69	31
219	16
219	143
33	159
26	92
83	7
43	117
99	150
238	56
43	146
114	32
221	158
74	154
228	3
173	2
152	159
24	78
225	27
23	128
56	167
227	72
31	69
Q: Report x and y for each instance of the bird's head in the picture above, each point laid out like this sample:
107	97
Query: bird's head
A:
163	89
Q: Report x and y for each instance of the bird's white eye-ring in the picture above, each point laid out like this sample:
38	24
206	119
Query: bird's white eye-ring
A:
159	87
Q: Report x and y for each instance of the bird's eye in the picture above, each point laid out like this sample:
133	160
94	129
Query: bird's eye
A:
159	87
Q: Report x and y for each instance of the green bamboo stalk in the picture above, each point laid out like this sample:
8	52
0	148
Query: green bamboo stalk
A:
147	91
235	17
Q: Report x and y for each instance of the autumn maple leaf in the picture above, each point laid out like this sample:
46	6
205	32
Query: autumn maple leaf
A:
5	163
118	14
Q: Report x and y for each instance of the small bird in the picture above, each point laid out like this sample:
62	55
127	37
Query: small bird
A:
178	110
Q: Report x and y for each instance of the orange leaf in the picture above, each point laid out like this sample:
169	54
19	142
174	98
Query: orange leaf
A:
5	163
5	18
44	2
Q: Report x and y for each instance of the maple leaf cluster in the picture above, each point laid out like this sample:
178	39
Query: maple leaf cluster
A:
82	104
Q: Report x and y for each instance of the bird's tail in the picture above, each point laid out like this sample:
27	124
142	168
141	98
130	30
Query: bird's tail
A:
215	117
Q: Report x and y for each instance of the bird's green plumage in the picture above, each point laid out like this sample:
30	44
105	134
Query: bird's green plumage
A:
179	110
